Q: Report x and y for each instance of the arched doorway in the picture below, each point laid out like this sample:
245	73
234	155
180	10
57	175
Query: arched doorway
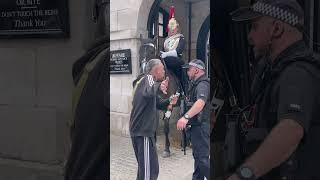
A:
158	18
203	44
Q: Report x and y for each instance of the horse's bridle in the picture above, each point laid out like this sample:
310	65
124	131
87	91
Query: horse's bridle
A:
144	59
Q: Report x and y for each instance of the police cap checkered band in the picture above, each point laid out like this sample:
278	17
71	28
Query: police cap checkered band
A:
196	63
288	11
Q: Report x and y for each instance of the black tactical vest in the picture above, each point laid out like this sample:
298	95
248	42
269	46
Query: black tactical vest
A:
264	110
204	115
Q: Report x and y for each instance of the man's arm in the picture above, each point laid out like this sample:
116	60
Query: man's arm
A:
162	103
196	108
277	147
150	87
202	96
295	101
168	103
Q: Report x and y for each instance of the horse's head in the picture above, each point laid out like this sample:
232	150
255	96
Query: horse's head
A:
147	51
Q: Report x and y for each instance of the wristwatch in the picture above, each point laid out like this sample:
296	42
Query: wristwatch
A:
245	173
186	116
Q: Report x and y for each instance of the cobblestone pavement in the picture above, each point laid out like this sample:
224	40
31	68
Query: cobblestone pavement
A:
123	164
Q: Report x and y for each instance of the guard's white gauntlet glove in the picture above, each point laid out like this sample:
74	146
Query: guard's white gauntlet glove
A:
169	53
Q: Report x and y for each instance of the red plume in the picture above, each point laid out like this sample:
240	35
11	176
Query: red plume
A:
171	14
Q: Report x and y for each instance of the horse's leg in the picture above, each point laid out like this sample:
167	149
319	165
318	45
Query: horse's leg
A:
166	152
172	89
167	130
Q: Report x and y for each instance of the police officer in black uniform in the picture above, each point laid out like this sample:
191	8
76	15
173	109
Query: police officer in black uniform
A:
282	138
196	119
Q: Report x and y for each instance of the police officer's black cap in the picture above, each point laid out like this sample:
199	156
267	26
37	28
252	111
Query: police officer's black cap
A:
288	11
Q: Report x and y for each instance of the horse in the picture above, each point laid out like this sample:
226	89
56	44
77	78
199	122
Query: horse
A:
148	51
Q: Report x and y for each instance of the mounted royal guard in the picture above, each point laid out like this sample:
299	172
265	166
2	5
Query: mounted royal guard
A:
174	47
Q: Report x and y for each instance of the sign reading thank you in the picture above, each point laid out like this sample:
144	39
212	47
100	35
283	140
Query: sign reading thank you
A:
34	18
120	62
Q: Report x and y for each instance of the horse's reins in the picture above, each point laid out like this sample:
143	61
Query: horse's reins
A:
165	69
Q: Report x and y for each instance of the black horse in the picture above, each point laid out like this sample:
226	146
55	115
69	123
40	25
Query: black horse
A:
148	51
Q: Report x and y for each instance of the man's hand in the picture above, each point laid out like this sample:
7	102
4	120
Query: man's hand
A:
164	85
174	99
182	123
286	136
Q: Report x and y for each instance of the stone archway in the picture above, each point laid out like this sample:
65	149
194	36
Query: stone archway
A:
146	7
203	41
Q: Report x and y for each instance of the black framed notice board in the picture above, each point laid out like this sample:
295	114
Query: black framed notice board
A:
120	62
34	18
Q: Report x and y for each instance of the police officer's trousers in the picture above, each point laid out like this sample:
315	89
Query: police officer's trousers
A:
200	140
146	153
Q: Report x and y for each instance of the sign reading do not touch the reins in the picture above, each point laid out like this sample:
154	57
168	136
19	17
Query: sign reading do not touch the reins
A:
34	18
120	62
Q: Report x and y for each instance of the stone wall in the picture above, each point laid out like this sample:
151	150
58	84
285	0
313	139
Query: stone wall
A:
35	99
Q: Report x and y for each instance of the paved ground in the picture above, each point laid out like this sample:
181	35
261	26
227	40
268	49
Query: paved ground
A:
124	166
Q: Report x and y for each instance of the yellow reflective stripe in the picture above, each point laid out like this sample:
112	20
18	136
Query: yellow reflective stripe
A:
135	87
77	90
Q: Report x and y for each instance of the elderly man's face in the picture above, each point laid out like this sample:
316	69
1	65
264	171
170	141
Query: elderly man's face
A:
158	72
260	35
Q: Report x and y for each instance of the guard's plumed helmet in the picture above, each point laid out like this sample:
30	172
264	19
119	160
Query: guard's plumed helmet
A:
173	24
